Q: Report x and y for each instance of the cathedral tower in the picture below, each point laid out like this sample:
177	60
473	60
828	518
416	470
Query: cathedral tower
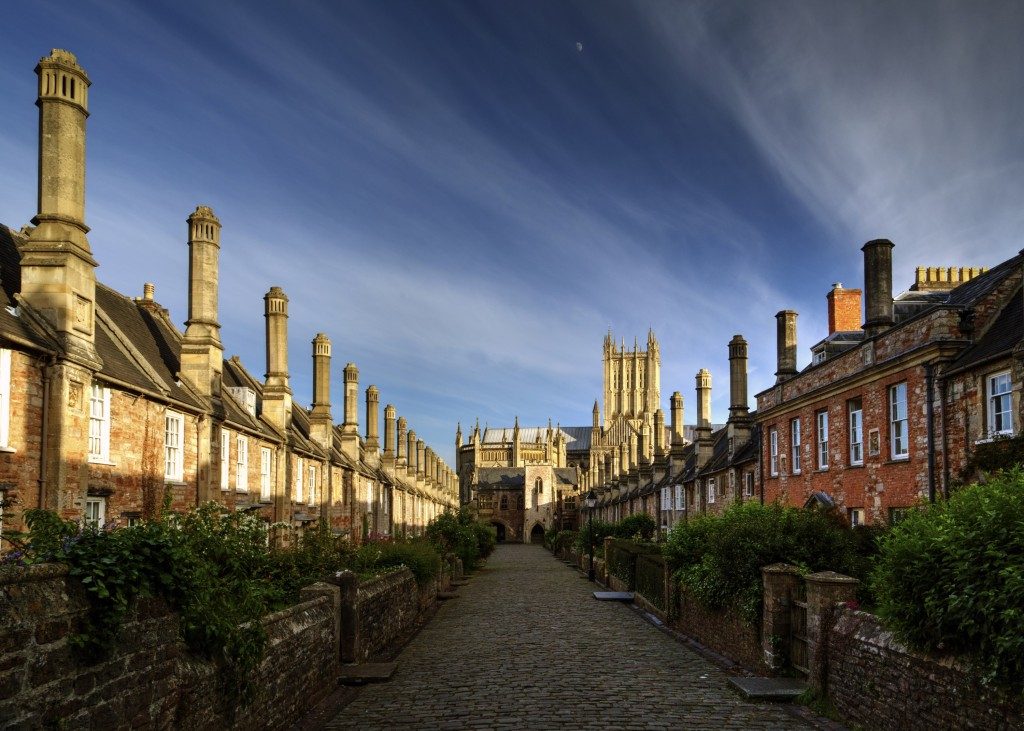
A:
632	381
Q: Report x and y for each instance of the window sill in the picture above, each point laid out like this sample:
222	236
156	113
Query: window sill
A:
898	460
104	462
175	482
858	466
822	469
8	450
242	490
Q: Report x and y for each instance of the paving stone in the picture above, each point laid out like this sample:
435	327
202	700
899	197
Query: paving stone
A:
527	647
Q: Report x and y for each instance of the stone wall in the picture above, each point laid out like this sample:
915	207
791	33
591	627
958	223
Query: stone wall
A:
874	681
387	609
723	631
149	678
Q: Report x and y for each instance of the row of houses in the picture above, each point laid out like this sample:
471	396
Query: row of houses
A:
110	414
888	413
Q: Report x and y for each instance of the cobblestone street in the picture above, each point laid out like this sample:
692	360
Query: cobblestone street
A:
526	646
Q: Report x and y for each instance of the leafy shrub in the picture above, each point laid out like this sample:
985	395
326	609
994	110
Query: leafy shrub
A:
418	555
951	576
719	558
636	526
561	539
601	530
461	535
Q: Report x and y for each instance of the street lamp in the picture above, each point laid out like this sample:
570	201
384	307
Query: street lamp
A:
591	501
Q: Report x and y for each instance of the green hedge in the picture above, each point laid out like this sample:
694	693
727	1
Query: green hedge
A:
951	577
460	534
719	558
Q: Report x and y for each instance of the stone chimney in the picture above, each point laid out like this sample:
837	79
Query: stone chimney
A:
402	459
372	442
148	291
786	344
321	422
703	431
277	395
944	278
843	309
659	434
350	427
202	354
678	435
738	407
58	277
428	465
389	436
412	466
878	310
421	463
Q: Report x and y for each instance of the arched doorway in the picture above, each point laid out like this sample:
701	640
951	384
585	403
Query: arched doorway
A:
500	529
537	533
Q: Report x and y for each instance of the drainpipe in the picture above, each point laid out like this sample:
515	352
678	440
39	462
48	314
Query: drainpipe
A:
43	442
929	386
943	386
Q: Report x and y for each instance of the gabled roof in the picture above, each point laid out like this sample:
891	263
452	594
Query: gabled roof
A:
14	325
1003	335
503	478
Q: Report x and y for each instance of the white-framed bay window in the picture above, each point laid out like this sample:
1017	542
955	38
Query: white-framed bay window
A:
99	423
174	446
5	398
999	404
225	459
265	463
898	432
242	463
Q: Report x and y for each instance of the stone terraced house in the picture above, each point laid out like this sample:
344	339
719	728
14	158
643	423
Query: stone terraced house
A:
109	412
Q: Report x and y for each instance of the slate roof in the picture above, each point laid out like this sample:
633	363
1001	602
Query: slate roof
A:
1005	333
503	478
566	476
527	435
14	326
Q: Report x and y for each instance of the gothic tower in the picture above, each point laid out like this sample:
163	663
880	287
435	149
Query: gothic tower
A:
632	381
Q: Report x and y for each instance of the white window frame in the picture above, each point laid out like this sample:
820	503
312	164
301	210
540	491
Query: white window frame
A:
773	452
5	398
265	464
97	505
712	490
300	476
680	498
899	442
174	453
748	484
856	517
311	475
225	459
855	417
794	441
999	403
242	463
99	423
821	431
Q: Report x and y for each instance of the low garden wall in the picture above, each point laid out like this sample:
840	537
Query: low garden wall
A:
875	681
149	678
723	631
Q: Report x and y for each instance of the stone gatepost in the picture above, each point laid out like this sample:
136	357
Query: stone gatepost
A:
348	582
825	589
333	594
780	584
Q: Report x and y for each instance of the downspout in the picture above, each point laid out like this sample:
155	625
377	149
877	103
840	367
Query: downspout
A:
760	464
943	385
43	442
929	381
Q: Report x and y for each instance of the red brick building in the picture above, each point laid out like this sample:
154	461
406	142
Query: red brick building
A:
886	414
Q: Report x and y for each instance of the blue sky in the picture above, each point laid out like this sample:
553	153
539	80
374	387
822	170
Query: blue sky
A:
465	202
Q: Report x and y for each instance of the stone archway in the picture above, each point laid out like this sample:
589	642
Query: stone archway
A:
537	533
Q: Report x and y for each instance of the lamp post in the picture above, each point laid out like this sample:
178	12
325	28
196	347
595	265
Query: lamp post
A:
591	501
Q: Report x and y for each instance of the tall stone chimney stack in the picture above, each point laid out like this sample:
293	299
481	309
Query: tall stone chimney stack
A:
402	458
738	407
703	431
421	459
321	422
371	446
202	354
58	275
350	427
389	435
786	345
659	434
878	309
676	404
412	466
277	395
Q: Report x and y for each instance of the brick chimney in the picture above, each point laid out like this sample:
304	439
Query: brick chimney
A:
843	309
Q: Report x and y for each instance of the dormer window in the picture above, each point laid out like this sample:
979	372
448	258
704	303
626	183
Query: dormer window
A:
818	356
